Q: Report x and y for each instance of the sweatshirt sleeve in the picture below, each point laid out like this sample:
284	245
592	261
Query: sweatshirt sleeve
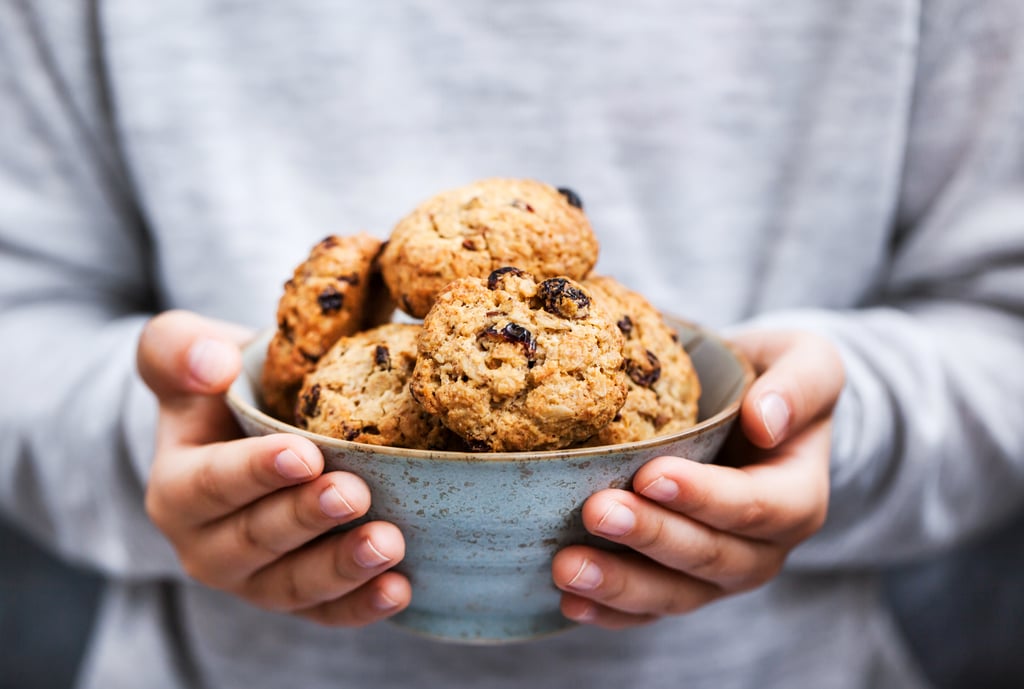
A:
76	423
929	432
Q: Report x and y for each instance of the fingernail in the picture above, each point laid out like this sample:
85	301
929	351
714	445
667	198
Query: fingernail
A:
383	601
334	505
291	466
585	614
774	415
211	361
366	555
661	489
619	520
588	578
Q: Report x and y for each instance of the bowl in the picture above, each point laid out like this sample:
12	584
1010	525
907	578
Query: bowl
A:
481	528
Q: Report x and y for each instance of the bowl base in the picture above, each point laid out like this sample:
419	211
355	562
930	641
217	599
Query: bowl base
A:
480	629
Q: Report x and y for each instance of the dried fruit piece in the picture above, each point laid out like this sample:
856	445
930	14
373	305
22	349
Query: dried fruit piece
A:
645	374
330	300
512	332
496	275
382	357
310	401
572	197
564	298
625	325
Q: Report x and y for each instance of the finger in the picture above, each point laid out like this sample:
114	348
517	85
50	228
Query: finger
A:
629	582
212	481
326	569
188	361
680	543
801	378
586	611
378	599
782	497
231	549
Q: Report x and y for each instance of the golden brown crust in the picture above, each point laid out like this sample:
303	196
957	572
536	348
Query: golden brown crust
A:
327	297
359	391
511	364
474	229
663	385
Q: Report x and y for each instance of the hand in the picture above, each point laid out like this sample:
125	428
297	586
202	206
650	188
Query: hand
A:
698	532
246	515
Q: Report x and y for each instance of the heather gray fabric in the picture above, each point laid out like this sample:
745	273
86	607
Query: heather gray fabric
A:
851	167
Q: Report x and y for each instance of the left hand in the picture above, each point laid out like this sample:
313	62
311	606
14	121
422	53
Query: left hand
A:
699	532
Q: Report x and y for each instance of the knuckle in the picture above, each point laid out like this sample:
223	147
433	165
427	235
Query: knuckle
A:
293	597
651	535
209	487
306	518
753	517
248	538
709	560
613	590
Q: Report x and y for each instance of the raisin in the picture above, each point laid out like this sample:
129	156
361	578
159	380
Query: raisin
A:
469	245
512	332
564	298
522	205
625	325
382	357
572	197
286	330
497	275
330	300
642	374
311	400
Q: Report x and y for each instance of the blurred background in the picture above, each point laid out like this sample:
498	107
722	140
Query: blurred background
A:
46	609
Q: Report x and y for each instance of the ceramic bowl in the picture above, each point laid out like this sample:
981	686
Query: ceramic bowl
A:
481	528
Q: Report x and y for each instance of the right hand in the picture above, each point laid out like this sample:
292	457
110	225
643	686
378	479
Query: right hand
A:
245	515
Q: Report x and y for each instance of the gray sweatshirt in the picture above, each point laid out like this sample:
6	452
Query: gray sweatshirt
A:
852	167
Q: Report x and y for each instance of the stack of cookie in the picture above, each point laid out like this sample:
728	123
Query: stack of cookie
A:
519	347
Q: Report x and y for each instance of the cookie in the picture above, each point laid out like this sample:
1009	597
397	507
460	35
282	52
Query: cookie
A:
477	228
359	391
330	294
663	385
513	364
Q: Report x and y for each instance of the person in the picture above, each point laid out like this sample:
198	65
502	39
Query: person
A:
837	186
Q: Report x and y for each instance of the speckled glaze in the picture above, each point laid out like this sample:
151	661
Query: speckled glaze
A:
481	528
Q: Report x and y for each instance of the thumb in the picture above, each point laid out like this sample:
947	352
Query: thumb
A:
800	378
188	361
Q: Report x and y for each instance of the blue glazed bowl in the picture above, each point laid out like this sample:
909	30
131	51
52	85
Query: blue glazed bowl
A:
481	528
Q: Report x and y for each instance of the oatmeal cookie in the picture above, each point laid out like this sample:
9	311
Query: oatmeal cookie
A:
477	228
512	364
663	385
331	294
359	391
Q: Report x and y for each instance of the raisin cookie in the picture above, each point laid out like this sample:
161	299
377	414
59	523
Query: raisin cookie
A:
331	294
359	391
663	385
512	364
477	228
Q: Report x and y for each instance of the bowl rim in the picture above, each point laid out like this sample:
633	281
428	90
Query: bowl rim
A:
726	415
